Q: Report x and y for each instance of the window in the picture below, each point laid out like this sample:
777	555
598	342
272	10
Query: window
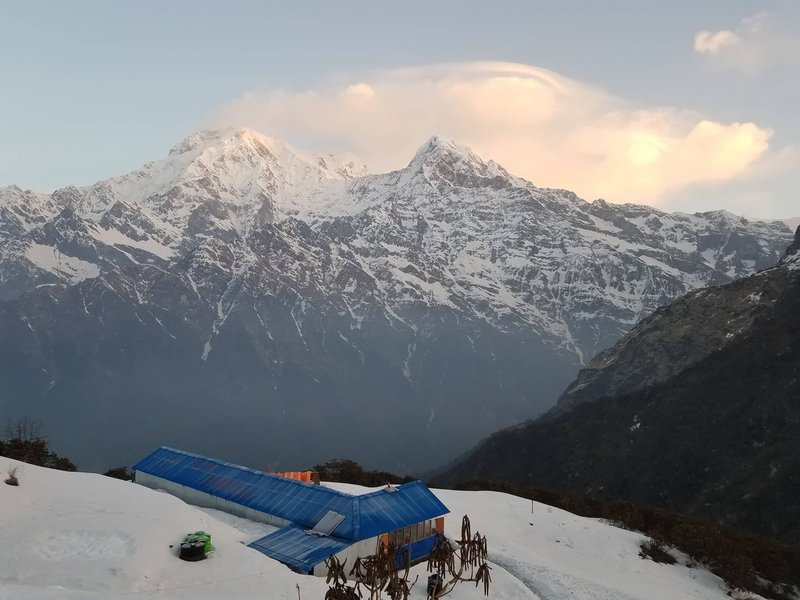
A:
412	533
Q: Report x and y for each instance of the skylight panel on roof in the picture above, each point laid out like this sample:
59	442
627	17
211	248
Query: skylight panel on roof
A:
328	523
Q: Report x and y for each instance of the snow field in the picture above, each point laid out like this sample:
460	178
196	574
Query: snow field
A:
86	536
81	536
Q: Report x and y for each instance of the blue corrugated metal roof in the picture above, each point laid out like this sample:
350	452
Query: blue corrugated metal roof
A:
295	501
302	503
383	511
294	547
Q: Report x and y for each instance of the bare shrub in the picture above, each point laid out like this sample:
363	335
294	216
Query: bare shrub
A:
464	561
656	550
374	575
387	571
13	471
25	429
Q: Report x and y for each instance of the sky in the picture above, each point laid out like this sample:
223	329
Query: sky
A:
686	106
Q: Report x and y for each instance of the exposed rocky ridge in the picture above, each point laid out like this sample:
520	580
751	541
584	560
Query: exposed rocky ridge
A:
792	251
672	339
714	430
303	299
678	335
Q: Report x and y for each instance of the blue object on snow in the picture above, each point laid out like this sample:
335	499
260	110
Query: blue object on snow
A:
301	551
303	504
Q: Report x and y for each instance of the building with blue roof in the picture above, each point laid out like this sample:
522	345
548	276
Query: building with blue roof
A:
315	522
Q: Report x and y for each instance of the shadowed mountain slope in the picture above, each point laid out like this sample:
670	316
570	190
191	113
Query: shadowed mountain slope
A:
697	409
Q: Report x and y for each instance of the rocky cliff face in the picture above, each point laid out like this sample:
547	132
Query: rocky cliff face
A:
281	307
680	334
696	409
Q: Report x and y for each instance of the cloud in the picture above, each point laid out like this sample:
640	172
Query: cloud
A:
707	42
756	42
552	130
767	192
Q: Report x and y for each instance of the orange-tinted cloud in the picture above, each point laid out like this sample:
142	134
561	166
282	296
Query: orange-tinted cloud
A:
555	131
711	42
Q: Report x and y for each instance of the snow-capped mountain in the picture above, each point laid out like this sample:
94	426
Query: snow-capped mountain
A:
316	310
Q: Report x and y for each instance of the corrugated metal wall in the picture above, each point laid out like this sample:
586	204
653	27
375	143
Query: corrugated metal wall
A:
366	547
198	498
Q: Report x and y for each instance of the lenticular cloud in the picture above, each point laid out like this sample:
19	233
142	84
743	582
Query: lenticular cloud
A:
555	131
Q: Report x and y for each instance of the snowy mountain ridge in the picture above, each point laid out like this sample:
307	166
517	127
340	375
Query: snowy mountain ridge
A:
445	283
236	180
231	182
250	174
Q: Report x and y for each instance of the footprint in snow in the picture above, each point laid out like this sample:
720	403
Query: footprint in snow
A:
83	545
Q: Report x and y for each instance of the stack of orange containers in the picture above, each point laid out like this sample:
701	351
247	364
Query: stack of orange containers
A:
298	475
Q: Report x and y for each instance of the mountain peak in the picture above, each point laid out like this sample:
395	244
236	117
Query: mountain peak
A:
441	160
247	145
210	137
441	141
439	145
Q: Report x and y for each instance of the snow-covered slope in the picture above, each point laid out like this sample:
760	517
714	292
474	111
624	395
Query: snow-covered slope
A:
71	536
81	535
288	289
